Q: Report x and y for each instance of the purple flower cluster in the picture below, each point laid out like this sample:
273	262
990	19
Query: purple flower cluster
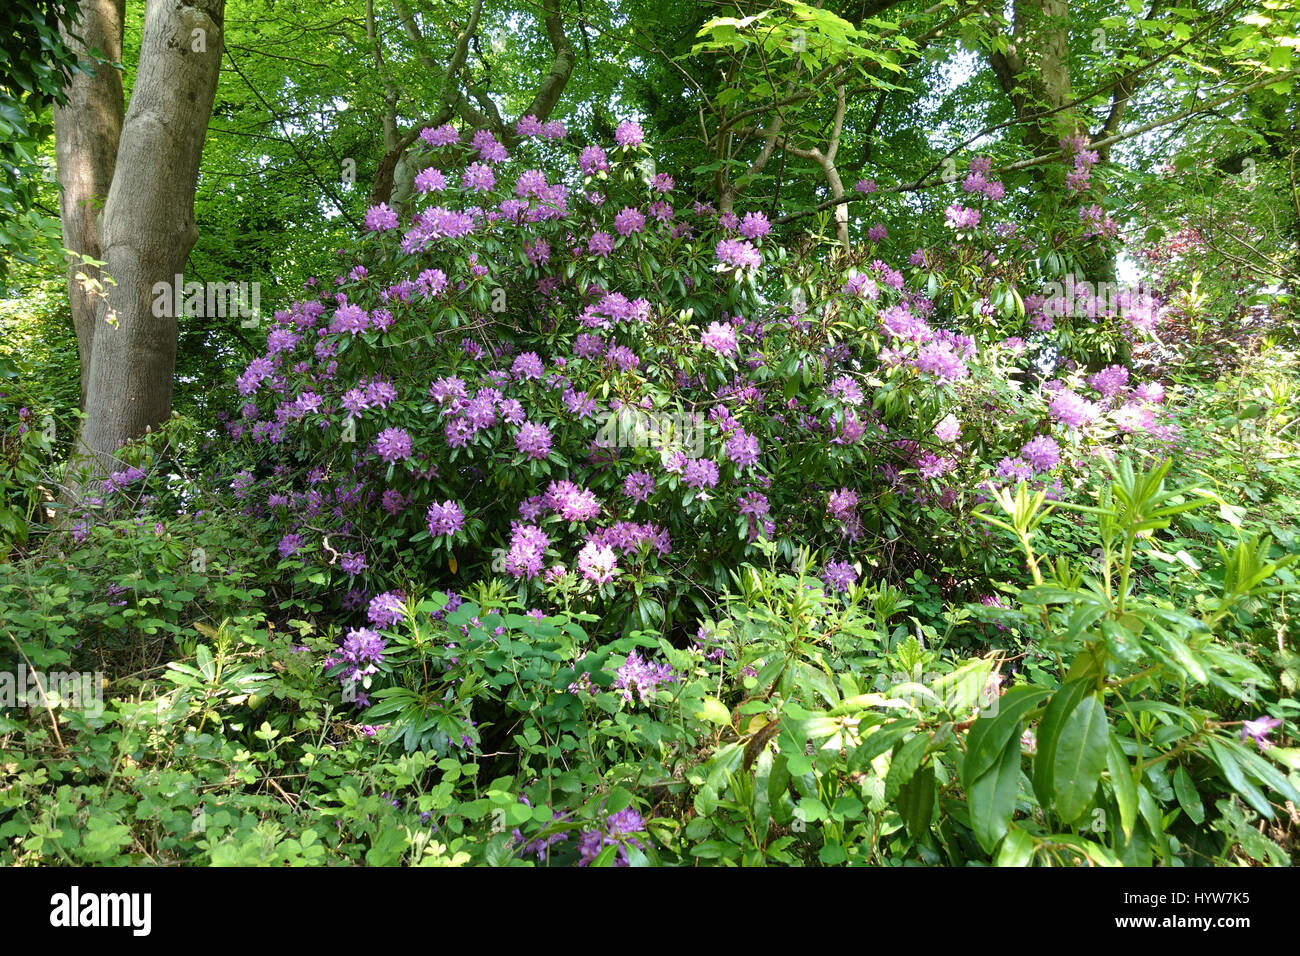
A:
1042	453
839	575
597	562
386	609
393	444
961	217
533	440
720	337
742	448
1071	410
738	254
528	544
446	518
643	677
617	831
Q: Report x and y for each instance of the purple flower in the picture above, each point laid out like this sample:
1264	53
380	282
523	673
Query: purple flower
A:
700	473
529	125
531	182
1071	410
961	217
755	225
445	518
930	465
753	504
643	677
444	135
1152	392
281	340
742	448
841	504
720	337
846	390
430	180
900	323
629	221
350	318
353	563
290	544
617	832
528	544
938	359
120	479
1134	417
738	254
601	244
1110	380
571	502
1014	469
393	444
527	366
431	282
948	429
597	562
379	218
1258	730
592	160
1042	453
386	609
538	252
448	389
629	134
489	150
839	575
533	440
362	649
639	485
877	232
478	177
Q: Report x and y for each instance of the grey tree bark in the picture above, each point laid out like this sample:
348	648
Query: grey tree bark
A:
87	130
147	229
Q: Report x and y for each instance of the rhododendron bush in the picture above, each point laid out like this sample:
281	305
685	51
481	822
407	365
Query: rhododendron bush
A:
572	507
558	372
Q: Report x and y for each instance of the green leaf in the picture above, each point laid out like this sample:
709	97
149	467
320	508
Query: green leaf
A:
104	838
1188	798
907	758
1080	757
1063	702
992	798
988	735
878	743
1227	762
714	711
961	690
1017	849
916	801
1121	779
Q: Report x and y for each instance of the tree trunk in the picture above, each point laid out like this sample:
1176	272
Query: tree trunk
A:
86	134
148	226
1034	72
